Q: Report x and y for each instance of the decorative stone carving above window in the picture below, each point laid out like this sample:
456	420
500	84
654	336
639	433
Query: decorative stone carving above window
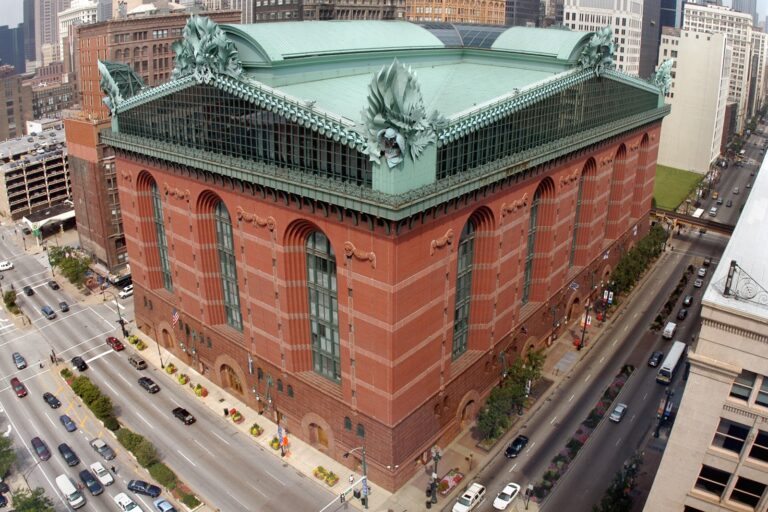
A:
446	239
254	219
350	250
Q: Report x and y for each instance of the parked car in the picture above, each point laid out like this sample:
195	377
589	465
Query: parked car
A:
91	483
51	400
6	265
702	272
470	499
655	359
682	314
69	455
506	496
102	474
142	487
698	283
125	503
28	291
719	200
18	387
729	203
515	447
53	285
126	292
63	306
748	185
137	362
103	449
41	450
183	415
163	505
618	413
688	301
707	262
68	423
149	385
79	363
115	343
19	361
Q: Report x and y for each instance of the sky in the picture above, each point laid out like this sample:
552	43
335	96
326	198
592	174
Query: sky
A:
11	11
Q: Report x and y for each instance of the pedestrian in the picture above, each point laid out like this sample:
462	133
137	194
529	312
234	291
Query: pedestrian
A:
114	469
352	479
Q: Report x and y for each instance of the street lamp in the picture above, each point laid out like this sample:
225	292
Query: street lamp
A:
364	499
119	316
527	495
436	456
584	329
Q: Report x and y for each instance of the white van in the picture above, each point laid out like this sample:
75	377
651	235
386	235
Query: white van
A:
713	211
669	330
471	499
68	489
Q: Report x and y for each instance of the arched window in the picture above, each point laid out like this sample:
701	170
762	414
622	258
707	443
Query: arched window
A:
531	247
226	248
463	289
347	423
323	306
231	379
162	243
576	226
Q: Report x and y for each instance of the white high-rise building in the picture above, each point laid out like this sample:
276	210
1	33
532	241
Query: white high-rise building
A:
758	76
691	135
738	29
79	13
624	16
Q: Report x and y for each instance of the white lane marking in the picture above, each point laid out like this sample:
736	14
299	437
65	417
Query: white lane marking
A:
614	342
188	459
112	327
157	409
617	442
217	435
9	326
531	447
273	476
241	503
588	377
632	418
602	359
635	315
645	396
50	420
626	328
7	432
110	387
145	421
124	379
553	420
512	468
99	356
569	400
203	447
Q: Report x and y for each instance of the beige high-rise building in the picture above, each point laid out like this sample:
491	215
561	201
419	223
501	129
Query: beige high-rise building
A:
717	456
758	72
692	133
485	12
737	27
625	18
81	12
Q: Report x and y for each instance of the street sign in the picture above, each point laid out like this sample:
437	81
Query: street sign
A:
365	486
574	285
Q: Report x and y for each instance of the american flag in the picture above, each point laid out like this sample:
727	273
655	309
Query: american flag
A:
175	317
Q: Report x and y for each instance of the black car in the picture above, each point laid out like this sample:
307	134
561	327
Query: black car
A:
729	203
149	385
53	285
3	501
515	447
142	487
183	415
41	450
90	481
655	359
28	291
63	306
69	455
79	363
688	300
682	314
51	400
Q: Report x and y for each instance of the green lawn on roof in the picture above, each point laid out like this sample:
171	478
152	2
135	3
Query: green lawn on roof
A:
672	186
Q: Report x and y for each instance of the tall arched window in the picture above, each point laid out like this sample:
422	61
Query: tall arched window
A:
162	243
531	247
323	306
463	289
576	219
226	249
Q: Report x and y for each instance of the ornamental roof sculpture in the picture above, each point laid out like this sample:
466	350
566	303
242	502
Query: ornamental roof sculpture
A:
204	50
662	78
119	82
599	52
395	119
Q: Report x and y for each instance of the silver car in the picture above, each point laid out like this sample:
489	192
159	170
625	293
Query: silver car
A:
19	361
618	412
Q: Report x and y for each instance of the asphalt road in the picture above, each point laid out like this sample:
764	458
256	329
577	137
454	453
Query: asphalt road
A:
221	464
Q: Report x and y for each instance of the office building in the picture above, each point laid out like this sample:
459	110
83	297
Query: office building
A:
363	281
18	103
672	13
256	11
650	37
81	12
757	73
523	13
485	12
747	7
12	48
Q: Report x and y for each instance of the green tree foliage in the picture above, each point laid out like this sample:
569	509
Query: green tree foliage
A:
163	475
31	501
7	455
618	497
9	298
111	423
102	407
129	439
74	269
146	453
633	264
80	384
58	254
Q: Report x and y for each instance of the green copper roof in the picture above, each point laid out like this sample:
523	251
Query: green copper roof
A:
279	41
558	43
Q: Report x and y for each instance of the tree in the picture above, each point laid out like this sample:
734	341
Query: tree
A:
102	407
7	455
9	298
146	453
31	501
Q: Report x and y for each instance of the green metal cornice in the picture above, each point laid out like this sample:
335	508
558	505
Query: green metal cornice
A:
371	202
621	76
153	93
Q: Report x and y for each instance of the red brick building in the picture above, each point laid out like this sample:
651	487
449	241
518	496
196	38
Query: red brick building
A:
366	281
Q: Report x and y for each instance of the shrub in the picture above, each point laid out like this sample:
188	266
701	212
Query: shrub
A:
164	475
80	384
66	373
146	453
111	423
190	500
102	407
129	439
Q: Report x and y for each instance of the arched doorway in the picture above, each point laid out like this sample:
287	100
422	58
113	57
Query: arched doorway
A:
166	339
230	379
574	310
318	437
467	413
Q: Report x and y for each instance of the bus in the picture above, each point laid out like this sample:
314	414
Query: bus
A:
698	213
671	363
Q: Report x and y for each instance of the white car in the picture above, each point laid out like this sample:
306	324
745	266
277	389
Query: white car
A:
102	474
126	292
126	504
506	496
6	265
618	412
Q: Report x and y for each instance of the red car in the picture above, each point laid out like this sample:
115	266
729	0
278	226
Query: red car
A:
19	388
115	343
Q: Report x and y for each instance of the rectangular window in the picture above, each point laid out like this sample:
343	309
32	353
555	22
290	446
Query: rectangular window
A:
747	491
762	394
712	480
730	435
759	449
742	386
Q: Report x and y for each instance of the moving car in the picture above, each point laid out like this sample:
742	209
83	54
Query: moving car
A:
506	496
126	292
51	400
103	449
736	190
79	363
90	482
102	474
69	455
698	283
655	359
618	413
142	487
18	387
6	265
719	200
63	306
702	272
682	314
749	184
688	300
28	291
53	285
183	415
19	361
470	499
67	488
515	447
115	343
48	313
68	423
126	504
149	385
137	362
163	505
41	450
729	203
